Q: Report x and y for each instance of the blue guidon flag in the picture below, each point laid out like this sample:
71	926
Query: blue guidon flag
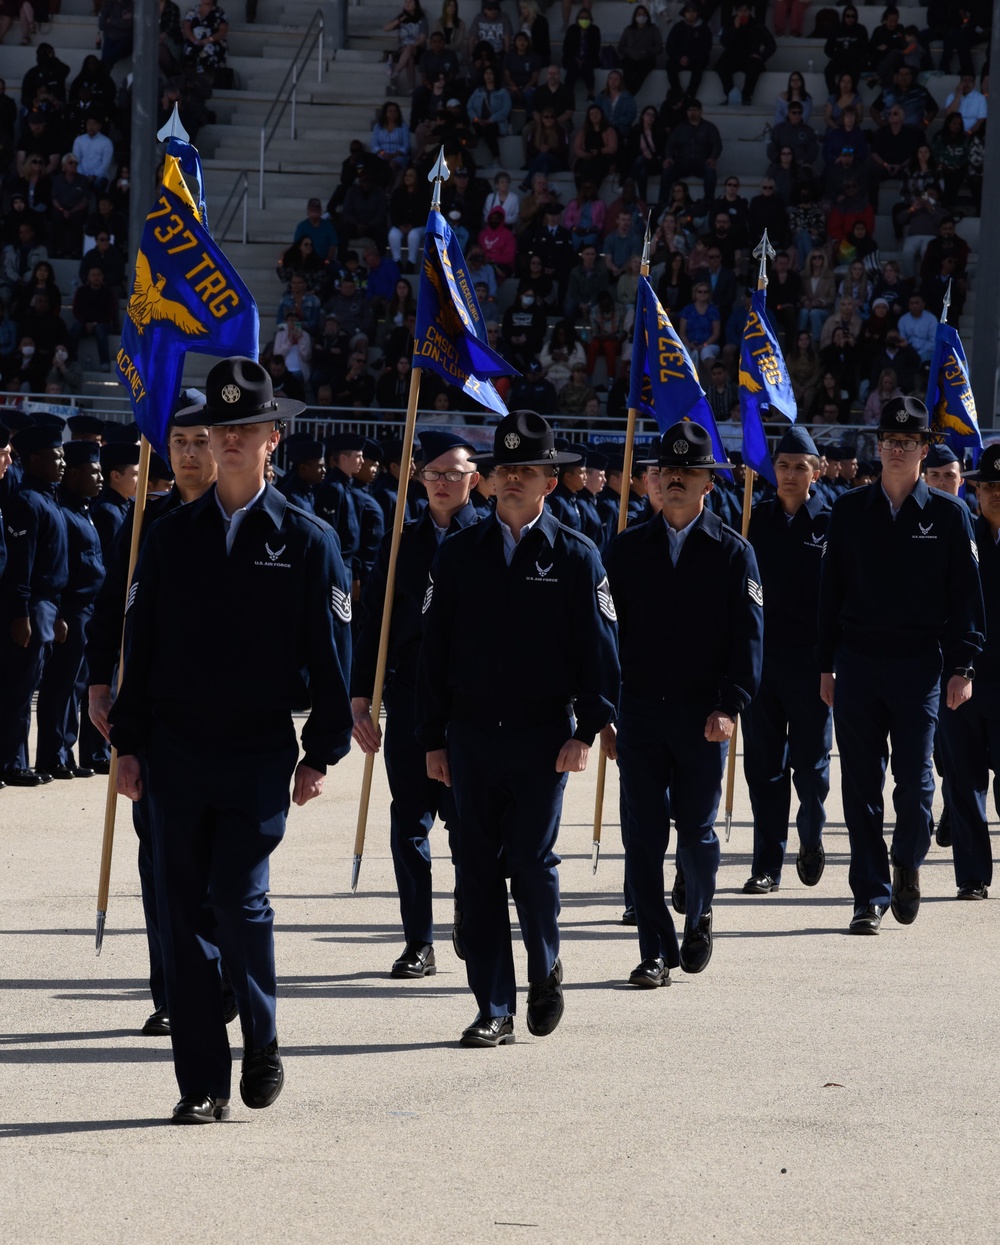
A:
950	400
664	380
185	296
451	332
764	386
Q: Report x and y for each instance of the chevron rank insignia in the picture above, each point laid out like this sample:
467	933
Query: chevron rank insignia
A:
428	595
341	602
605	601
756	592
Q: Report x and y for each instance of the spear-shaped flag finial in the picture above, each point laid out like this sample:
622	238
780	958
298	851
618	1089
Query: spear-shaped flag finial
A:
946	303
438	174
173	128
763	251
645	245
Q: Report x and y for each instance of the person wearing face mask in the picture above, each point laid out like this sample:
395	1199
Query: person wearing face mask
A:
582	50
523	330
641	43
64	373
24	370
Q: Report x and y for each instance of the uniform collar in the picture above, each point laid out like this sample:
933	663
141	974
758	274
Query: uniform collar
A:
271	502
466	517
547	524
877	494
708	522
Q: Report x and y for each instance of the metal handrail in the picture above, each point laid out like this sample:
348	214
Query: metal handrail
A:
239	195
313	38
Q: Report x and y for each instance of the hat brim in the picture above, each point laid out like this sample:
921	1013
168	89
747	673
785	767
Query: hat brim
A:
977	477
202	413
559	459
658	462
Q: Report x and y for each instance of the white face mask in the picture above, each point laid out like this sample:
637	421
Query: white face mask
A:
62	356
527	300
123	182
641	19
27	351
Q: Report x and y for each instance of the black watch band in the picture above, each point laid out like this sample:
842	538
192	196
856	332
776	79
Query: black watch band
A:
965	672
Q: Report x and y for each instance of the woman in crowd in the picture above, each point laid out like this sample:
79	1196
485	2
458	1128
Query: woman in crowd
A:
921	173
501	196
489	111
803	370
618	105
582	50
408	208
639	46
410	25
847	49
818	293
453	28
674	287
301	260
950	155
390	139
645	150
606	335
43	281
806	222
595	145
561	354
499	244
887	388
699	326
842	100
205	29
546	147
536	27
795	90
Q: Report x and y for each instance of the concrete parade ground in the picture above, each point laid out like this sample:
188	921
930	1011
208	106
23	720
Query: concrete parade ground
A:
808	1087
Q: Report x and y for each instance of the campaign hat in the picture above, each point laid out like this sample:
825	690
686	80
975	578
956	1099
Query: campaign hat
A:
238	391
988	467
904	415
525	439
685	444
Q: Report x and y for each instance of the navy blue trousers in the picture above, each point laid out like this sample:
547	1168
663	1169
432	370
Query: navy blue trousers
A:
668	770
787	736
20	674
147	886
969	739
57	713
416	801
215	822
509	800
880	701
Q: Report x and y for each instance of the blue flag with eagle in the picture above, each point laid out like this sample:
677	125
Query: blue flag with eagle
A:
764	386
185	296
950	400
664	382
450	336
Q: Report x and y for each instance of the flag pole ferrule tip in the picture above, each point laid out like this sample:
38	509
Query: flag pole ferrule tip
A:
101	919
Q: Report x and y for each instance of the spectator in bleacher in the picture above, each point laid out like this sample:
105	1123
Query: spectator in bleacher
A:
918	105
108	219
546	145
918	328
607	334
689	47
555	96
536	27
886	39
465	195
921	223
300	259
595	147
11	221
521	70
841	356
439	61
454	30
95	314
576	393
747	45
35	187
504	198
645	146
699	326
628	201
293	342
546	289
883	390
585	215
22	371
847	50
380	281
787	176
893	146
408	207
874	333
42	282
830	394
806	223
784	297
667	241
20	259
357	389
693	150
721	281
21	10
491	25
298	301
845	145
789	17
171	37
480	272
43	323
8	125
498	244
205	29
92	91
843	100
946	244
735	207
950	156
638	48
845	317
617	104
109	259
767	211
47	74
427	112
410	25
818	293
285	383
39	137
398	309
794	93
851	207
331	351
674	287
561	354
586	281
392	389
891	286
365	212
582	50
115	21
320	232
552	243
94	152
721	392
523	328
937	285
352	309
489	109
796	134
966	31
803	370
390	137
682	207
720	238
63	376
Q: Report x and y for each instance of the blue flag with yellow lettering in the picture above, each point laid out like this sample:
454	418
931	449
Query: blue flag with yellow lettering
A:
950	400
451	332
664	382
764	386
185	296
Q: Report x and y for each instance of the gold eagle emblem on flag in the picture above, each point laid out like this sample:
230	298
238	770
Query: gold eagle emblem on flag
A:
147	302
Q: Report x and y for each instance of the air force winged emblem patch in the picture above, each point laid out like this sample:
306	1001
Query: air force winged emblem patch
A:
428	595
147	302
543	570
755	592
605	601
274	554
341	602
924	531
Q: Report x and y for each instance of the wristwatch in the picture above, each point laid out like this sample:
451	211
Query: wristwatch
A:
965	672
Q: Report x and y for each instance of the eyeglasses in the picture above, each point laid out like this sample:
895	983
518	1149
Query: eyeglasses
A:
453	477
906	444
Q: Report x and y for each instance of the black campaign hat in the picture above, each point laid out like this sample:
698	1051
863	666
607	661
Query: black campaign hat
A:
904	415
685	444
525	439
988	467
238	391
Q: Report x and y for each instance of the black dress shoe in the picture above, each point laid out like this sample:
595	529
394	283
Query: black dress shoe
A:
545	1002
158	1024
101	767
905	902
942	835
760	884
263	1075
200	1109
975	890
83	771
417	960
696	949
24	778
650	974
866	919
810	863
456	931
678	893
60	771
495	1031
629	917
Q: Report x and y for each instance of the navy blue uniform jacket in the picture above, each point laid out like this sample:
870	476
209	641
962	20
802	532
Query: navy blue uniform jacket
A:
336	504
418	548
988	661
108	510
790	558
271	622
516	645
37	552
86	567
694	630
903	588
